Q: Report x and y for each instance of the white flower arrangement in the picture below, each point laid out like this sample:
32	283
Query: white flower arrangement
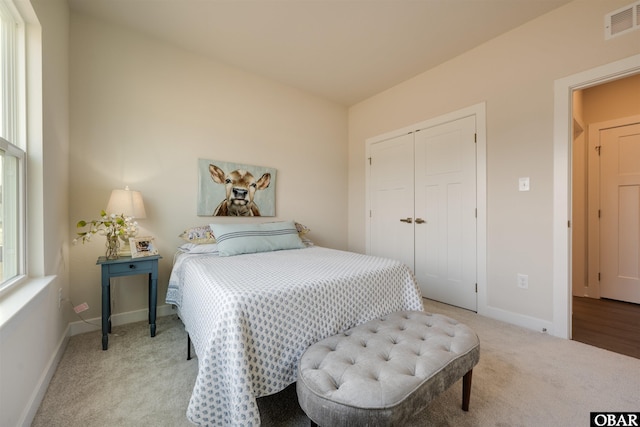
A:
108	225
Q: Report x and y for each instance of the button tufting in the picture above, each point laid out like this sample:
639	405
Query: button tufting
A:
420	352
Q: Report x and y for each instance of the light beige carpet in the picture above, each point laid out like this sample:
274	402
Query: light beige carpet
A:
524	378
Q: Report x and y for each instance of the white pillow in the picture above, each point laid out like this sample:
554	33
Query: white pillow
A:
236	239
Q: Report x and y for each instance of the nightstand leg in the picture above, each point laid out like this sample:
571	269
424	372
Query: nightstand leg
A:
153	299
106	322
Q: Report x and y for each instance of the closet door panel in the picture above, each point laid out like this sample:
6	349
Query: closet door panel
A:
427	233
391	199
445	257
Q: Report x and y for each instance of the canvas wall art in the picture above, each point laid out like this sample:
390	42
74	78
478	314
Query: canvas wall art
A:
234	189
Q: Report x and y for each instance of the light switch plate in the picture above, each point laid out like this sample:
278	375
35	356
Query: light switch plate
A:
523	184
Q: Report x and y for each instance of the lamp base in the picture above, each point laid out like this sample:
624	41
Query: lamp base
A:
125	249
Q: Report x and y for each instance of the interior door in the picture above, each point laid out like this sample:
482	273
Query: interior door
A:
445	212
391	199
620	213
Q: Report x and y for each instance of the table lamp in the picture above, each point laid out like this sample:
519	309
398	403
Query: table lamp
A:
128	203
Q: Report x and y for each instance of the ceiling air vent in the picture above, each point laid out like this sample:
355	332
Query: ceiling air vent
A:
622	21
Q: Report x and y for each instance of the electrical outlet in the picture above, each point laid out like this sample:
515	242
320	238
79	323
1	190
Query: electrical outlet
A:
59	297
523	281
81	307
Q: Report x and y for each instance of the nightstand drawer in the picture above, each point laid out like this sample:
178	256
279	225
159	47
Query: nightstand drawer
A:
132	267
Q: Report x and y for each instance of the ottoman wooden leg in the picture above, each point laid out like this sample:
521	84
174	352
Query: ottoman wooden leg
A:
466	390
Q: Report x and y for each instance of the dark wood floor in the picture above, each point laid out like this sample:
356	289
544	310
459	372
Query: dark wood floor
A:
608	324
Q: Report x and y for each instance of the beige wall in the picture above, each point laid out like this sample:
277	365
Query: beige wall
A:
614	100
515	75
143	112
54	18
33	339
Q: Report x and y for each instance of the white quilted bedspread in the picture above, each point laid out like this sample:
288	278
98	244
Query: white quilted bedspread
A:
250	318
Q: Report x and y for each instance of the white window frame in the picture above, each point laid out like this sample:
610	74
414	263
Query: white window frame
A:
13	138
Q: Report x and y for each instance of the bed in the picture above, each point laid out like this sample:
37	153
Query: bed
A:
251	316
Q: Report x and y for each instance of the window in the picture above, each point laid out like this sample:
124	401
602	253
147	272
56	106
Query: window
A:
12	143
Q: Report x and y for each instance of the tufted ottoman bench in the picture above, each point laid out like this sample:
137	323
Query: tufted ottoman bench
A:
384	371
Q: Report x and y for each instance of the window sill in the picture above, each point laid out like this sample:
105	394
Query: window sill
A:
16	299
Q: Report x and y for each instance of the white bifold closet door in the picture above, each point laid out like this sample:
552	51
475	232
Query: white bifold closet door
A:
445	199
423	208
391	199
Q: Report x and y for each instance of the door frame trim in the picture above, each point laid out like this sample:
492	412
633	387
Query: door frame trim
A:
562	137
479	112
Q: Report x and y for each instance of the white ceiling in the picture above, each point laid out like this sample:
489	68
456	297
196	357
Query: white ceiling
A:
343	50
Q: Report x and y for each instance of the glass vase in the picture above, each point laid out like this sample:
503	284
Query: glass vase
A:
113	247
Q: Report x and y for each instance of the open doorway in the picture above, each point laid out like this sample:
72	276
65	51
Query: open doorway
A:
605	196
562	138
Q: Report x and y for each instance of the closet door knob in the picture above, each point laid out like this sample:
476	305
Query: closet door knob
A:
420	221
407	220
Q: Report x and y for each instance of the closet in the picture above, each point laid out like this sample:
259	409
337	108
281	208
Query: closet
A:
422	207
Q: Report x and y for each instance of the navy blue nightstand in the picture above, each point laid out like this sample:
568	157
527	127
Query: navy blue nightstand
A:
127	266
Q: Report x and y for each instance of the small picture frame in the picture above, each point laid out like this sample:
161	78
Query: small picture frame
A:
142	246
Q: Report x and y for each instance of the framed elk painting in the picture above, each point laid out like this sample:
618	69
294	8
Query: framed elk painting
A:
233	189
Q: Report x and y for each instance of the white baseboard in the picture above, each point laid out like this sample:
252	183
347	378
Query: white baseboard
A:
95	324
517	319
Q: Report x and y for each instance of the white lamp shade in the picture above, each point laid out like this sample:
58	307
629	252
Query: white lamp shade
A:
126	202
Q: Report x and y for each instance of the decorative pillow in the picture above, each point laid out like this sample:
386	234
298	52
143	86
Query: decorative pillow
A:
302	229
236	239
200	234
199	248
307	242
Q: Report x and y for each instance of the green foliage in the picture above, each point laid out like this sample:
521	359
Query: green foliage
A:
108	225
